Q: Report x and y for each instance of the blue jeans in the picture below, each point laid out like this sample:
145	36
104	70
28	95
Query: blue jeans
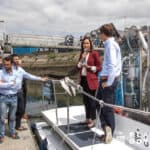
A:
5	103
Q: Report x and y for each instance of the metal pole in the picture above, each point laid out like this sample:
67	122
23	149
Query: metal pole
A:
149	68
42	95
140	77
68	126
2	28
55	99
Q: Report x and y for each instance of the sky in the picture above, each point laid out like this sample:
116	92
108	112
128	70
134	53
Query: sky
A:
58	17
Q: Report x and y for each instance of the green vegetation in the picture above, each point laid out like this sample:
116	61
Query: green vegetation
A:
51	56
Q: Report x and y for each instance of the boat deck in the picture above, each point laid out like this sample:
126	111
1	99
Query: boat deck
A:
26	141
77	135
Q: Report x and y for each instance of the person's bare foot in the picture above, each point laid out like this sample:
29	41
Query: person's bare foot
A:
15	136
85	121
22	128
91	124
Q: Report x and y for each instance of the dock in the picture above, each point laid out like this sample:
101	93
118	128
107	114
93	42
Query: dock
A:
26	141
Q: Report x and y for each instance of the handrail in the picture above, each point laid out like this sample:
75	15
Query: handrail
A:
71	83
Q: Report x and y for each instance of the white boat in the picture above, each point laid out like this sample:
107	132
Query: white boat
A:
129	134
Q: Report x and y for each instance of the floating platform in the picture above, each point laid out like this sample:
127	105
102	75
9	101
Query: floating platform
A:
129	134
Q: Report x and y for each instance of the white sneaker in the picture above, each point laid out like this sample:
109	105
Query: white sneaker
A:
108	135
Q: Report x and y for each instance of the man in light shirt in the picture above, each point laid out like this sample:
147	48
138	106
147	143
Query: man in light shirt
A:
22	75
110	73
9	83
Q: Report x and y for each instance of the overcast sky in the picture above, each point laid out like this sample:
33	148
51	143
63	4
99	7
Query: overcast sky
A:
72	16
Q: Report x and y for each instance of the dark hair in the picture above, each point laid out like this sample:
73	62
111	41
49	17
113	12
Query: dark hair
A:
106	29
12	56
8	58
91	45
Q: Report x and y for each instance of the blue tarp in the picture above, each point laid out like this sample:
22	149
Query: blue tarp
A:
24	50
119	94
